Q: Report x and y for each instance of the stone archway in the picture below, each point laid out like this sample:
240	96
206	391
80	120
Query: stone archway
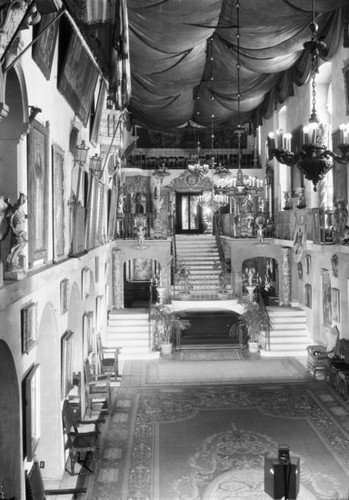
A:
50	448
12	141
10	432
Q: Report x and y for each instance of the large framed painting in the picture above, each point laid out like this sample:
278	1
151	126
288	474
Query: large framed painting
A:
335	305
326	298
78	78
29	326
38	190
67	363
346	84
96	120
44	48
31	411
113	206
58	205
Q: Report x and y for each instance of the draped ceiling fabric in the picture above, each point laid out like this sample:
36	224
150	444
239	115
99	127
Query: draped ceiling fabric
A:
171	64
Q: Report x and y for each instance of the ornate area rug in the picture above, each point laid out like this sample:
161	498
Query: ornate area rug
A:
224	371
209	354
210	443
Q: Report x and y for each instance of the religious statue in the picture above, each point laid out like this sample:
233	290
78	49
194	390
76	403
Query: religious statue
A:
19	237
141	235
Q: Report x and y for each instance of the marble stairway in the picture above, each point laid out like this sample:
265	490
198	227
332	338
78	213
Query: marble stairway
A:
200	254
128	329
289	336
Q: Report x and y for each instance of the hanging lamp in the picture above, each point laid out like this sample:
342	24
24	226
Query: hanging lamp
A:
314	159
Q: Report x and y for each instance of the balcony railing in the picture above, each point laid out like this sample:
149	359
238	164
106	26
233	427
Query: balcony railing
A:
318	223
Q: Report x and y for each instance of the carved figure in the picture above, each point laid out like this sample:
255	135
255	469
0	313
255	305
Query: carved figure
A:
140	235
19	238
4	223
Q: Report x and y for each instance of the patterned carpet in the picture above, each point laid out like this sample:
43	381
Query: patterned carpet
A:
224	371
210	442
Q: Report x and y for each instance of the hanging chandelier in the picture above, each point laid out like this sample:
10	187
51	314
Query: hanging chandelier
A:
161	172
314	159
212	201
194	166
241	188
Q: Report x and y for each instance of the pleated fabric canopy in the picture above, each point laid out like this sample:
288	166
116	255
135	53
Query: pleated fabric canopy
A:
183	56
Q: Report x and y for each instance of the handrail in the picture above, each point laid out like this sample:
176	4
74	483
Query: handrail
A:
267	331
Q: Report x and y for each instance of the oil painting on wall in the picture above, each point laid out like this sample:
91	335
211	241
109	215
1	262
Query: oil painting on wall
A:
326	298
38	189
58	202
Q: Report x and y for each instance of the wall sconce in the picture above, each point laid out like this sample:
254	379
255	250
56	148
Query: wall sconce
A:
34	110
96	165
81	151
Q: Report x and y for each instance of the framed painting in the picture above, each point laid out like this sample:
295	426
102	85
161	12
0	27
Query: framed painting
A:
113	205
96	120
29	327
335	305
67	363
85	283
142	269
31	411
38	190
326	298
89	344
78	78
64	292
58	205
308	296
308	264
44	48
345	71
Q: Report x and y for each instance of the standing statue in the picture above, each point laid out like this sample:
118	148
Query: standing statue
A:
19	237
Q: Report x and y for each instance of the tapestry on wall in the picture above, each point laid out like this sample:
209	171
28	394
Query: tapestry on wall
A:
58	206
78	78
326	298
38	189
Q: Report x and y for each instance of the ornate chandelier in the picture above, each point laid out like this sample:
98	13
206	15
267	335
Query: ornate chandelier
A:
195	166
241	188
211	201
314	159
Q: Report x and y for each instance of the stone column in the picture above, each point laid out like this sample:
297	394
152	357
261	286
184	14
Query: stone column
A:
285	291
117	280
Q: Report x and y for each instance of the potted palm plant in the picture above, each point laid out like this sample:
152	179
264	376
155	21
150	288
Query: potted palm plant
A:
183	278
256	319
167	324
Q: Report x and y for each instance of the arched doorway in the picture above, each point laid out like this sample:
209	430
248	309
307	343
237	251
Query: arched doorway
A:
139	274
12	143
262	273
10	434
50	447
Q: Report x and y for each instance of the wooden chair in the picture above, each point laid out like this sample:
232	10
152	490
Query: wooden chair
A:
79	441
97	389
108	358
319	356
35	490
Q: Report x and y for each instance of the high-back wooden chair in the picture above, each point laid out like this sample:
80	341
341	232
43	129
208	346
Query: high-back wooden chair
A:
35	490
79	441
97	389
108	358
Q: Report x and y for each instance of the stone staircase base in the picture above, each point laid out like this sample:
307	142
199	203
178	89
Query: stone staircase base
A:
128	329
289	335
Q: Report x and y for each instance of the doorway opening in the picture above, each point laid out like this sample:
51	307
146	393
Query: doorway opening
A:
189	217
139	275
263	273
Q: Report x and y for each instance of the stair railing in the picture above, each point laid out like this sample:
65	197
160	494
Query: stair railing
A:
267	330
225	267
